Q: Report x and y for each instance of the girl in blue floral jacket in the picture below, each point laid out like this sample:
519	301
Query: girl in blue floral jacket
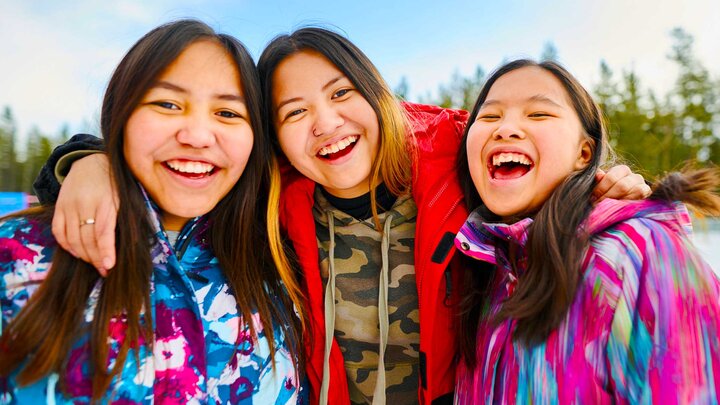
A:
189	315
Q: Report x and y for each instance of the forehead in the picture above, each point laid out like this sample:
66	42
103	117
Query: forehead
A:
204	63
528	82
303	69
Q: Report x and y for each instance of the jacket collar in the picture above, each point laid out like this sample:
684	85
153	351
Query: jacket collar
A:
162	245
610	212
478	239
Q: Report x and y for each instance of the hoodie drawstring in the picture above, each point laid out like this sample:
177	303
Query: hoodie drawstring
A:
383	321
329	314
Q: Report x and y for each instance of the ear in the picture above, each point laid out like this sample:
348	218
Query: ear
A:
585	154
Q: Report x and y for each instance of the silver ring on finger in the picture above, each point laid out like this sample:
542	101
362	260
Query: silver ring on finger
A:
89	221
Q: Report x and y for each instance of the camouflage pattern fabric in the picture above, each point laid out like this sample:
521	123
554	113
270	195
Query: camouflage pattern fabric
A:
358	262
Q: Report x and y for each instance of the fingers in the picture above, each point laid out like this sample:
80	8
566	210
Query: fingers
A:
89	243
75	232
104	260
631	187
606	181
620	183
72	233
58	230
599	175
87	194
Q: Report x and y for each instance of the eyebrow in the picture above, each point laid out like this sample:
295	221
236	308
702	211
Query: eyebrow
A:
544	99
332	81
323	88
536	98
174	87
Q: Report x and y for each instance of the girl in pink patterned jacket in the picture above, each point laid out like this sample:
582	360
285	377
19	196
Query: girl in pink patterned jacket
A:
570	303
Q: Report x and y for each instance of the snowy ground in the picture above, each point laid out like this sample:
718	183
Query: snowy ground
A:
708	242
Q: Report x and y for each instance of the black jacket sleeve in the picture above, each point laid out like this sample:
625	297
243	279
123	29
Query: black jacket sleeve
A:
46	186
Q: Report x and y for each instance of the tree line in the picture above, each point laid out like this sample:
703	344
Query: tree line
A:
18	168
653	133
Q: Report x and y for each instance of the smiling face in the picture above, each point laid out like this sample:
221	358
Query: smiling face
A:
189	139
527	138
326	128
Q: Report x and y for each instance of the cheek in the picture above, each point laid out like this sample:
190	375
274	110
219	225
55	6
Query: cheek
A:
361	112
137	149
240	150
144	133
138	161
371	119
474	144
292	148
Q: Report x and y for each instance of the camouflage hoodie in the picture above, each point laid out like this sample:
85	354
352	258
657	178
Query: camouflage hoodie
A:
369	280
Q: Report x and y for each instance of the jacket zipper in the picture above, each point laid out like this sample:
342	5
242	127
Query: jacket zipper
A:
182	248
441	223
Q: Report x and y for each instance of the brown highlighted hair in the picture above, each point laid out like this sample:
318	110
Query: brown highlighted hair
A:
238	236
393	163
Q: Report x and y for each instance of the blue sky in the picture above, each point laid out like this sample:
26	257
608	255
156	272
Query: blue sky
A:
57	56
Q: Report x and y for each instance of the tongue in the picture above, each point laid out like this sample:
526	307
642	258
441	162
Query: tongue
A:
510	171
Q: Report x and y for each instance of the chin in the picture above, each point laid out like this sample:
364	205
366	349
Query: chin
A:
191	211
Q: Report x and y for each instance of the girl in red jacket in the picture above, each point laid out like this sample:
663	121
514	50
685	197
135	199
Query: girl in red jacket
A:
370	203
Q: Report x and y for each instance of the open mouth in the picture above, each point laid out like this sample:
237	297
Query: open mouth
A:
190	169
509	165
338	149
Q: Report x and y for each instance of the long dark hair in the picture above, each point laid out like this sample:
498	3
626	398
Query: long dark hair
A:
546	289
237	235
393	163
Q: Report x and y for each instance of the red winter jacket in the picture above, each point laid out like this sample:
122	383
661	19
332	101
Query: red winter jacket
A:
441	213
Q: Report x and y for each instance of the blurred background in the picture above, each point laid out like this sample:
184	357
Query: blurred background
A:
653	65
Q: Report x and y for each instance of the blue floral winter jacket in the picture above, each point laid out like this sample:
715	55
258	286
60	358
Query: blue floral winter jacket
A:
194	357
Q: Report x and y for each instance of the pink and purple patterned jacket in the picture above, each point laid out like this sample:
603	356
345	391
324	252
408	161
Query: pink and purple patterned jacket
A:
644	326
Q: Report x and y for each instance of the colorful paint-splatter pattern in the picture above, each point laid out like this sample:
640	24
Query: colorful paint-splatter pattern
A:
643	327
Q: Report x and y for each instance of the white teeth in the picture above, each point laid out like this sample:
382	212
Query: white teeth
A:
339	145
501	158
190	167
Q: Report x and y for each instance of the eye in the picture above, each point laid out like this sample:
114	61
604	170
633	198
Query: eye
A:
228	114
294	113
166	104
539	114
340	93
487	117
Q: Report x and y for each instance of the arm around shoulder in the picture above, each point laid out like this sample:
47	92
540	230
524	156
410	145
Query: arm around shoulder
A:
47	184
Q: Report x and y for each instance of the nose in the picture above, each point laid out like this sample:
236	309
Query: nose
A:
196	131
508	129
327	121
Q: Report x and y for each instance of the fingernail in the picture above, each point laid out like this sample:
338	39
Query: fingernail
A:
107	263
